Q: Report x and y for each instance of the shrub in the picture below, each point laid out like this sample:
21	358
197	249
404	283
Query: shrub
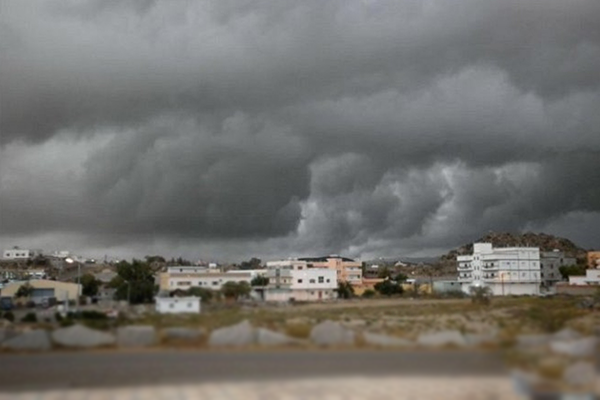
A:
66	322
480	295
58	316
369	293
9	316
93	315
29	317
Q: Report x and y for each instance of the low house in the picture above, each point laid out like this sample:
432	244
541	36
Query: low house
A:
178	305
293	280
44	289
591	277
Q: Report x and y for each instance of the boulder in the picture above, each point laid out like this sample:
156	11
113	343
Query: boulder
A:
376	339
136	336
330	333
34	340
268	337
82	336
584	347
242	334
580	374
182	334
442	338
478	339
532	341
566	334
7	333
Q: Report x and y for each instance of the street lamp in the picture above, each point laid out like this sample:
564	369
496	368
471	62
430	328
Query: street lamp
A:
71	261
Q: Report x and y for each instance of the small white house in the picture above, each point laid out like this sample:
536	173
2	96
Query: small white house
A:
178	305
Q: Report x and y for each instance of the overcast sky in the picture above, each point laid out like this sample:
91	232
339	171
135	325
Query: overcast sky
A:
227	129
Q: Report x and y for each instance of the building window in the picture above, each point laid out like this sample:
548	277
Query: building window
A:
327	280
299	280
312	281
171	305
300	267
321	279
189	305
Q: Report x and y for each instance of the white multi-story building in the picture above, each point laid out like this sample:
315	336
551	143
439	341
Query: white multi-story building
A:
506	271
293	280
20	254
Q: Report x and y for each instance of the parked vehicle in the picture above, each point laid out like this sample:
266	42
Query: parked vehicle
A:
6	303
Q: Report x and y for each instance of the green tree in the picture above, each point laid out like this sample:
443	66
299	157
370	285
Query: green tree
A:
25	290
89	285
384	273
571	270
388	288
345	290
254	263
235	290
369	293
480	295
259	281
134	281
205	294
400	277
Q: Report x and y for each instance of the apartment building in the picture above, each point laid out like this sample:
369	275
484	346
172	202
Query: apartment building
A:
185	277
347	269
294	280
17	253
550	263
506	271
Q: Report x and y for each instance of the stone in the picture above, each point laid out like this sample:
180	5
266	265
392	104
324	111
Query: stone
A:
478	339
330	333
442	338
34	340
7	333
268	337
242	334
82	336
376	339
532	341
566	334
581	373
136	336
182	334
584	347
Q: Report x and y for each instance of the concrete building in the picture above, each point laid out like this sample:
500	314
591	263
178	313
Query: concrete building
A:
43	288
187	277
550	263
17	253
293	280
178	305
506	271
591	277
447	287
347	269
593	259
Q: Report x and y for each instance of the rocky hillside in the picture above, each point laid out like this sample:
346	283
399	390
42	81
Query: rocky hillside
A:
542	240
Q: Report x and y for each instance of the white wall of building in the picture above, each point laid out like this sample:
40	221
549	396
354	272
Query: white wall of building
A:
294	280
506	271
19	254
206	280
178	305
591	277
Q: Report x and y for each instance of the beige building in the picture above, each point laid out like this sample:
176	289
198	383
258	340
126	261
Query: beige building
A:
348	270
593	259
43	288
186	277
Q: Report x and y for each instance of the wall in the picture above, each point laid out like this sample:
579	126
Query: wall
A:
177	305
62	290
283	295
576	290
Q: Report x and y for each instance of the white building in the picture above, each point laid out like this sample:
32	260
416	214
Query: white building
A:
506	271
178	305
292	280
591	277
19	254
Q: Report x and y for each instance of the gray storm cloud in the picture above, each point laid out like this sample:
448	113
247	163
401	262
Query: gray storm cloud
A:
282	128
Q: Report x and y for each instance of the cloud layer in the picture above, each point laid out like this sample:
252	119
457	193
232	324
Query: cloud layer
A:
235	128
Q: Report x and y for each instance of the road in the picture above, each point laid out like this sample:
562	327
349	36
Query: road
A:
167	367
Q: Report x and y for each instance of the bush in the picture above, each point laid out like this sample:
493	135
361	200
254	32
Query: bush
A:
480	295
66	322
29	317
9	316
58	316
93	315
388	288
369	293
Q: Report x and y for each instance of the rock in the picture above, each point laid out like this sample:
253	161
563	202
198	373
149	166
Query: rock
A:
267	337
524	383
81	336
580	374
330	333
182	334
136	336
478	339
566	334
584	347
37	339
7	333
376	339
532	341
442	338
242	334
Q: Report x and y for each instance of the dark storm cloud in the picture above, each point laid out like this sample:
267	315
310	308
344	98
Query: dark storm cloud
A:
373	126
